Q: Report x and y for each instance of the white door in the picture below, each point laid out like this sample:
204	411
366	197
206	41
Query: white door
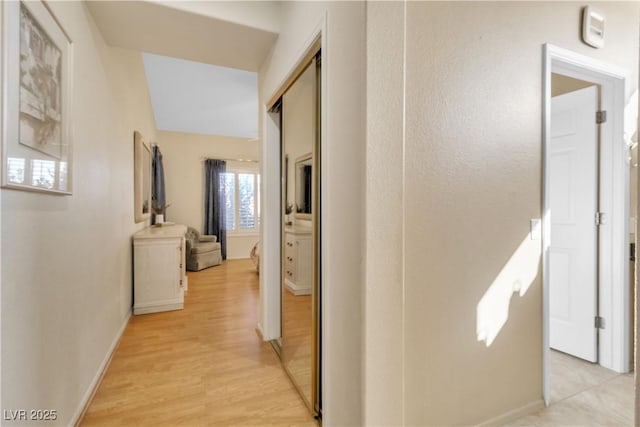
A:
573	250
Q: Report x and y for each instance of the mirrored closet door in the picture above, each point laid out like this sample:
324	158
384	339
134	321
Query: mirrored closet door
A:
300	238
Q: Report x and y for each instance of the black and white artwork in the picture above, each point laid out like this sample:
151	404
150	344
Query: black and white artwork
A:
40	88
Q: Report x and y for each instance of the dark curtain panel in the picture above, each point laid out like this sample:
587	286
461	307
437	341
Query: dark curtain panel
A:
307	189
158	200
214	207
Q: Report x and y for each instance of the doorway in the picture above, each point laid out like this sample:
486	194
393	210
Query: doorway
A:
586	287
574	184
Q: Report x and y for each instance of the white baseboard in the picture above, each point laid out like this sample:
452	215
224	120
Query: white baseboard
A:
156	308
237	257
296	289
259	331
97	379
514	414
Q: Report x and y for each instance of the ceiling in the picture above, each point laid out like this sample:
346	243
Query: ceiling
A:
200	58
200	98
263	15
229	34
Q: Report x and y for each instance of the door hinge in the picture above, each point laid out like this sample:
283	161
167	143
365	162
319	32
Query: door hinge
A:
599	322
599	218
601	117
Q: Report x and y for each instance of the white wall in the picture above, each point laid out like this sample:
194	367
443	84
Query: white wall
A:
1	234
470	146
182	156
66	264
298	126
342	199
383	351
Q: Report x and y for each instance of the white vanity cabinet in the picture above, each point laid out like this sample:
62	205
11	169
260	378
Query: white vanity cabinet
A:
298	268
159	275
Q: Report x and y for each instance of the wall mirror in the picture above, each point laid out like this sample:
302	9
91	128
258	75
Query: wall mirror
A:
300	303
141	178
304	180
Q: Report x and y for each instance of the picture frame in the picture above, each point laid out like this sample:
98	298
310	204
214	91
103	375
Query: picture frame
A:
37	67
141	178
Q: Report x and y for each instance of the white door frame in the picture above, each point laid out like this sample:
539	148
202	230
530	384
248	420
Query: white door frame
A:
270	266
613	245
270	262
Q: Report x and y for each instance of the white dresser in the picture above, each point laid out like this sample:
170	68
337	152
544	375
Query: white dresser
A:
298	265
159	277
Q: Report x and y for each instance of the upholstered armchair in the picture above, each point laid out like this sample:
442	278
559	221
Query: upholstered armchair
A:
202	251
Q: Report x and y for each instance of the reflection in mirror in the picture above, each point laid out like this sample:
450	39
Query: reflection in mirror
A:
16	170
299	295
296	308
303	184
142	177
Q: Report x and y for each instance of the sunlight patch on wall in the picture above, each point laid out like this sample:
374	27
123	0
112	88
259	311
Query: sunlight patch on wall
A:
492	312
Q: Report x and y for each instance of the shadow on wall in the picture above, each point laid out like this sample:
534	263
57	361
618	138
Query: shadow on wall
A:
492	312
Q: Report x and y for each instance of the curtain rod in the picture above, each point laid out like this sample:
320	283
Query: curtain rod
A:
229	160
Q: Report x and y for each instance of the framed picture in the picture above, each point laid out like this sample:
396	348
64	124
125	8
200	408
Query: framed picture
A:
36	88
141	178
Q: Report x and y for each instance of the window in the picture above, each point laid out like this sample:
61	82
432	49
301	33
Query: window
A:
43	173
240	194
62	176
37	172
228	186
16	170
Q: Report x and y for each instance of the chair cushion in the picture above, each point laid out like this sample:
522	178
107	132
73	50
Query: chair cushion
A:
203	247
200	261
192	234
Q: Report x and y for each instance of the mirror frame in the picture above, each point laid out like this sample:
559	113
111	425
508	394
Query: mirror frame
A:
141	181
314	404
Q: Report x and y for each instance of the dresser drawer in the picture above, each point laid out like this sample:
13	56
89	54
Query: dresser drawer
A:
159	279
290	257
289	274
297	261
289	243
290	254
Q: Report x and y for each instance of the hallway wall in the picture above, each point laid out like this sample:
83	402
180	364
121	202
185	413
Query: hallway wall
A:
343	137
468	150
383	352
66	260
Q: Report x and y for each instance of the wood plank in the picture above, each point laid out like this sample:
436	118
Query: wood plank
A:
204	365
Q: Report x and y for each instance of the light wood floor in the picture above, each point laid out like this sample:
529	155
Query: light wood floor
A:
297	339
204	365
